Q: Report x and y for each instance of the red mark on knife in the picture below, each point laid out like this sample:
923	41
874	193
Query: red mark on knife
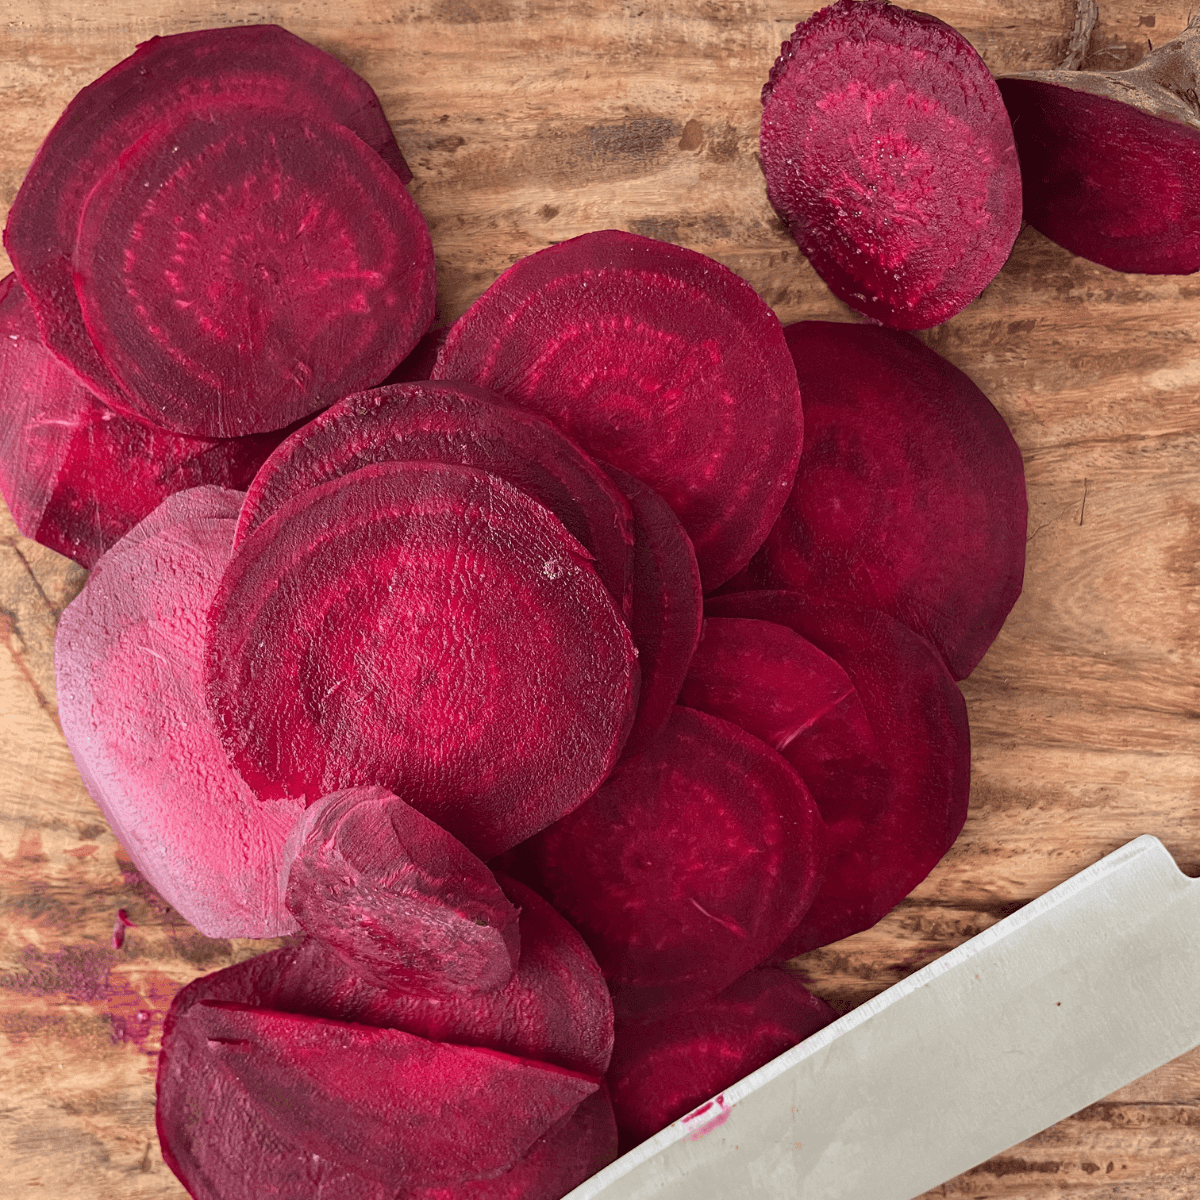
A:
711	1116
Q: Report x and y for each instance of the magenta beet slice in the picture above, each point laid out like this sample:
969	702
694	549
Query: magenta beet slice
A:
238	271
910	496
688	866
886	832
76	475
668	607
257	65
455	423
663	1069
432	630
655	359
128	664
887	150
404	904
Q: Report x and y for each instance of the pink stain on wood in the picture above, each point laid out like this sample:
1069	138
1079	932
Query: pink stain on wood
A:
710	1116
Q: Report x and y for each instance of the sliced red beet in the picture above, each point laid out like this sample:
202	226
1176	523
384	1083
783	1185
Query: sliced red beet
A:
238	270
260	65
663	1069
77	475
887	150
455	423
687	867
910	496
655	359
426	628
128	664
404	904
885	833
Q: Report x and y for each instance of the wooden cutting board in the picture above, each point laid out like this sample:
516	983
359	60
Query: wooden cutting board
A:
531	121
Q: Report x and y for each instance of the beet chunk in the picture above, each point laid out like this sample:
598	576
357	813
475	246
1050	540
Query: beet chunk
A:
663	1069
655	359
887	150
407	906
910	496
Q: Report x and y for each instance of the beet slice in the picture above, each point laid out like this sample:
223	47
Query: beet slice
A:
245	65
663	1069
1110	160
910	496
418	366
128	665
432	630
885	833
687	867
407	906
887	150
655	359
455	423
238	270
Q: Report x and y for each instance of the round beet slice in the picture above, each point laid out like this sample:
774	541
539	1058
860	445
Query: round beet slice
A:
655	359
887	150
910	496
455	423
426	628
239	270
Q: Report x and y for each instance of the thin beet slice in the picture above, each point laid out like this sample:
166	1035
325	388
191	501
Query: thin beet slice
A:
77	475
205	69
887	150
239	270
910	496
128	665
403	903
886	833
687	867
455	423
655	359
668	607
663	1069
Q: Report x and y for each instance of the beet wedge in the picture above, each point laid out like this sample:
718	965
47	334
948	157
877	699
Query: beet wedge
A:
202	70
432	630
655	359
910	497
887	150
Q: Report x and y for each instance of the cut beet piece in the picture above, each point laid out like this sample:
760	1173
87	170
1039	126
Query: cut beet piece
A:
668	607
78	476
887	150
1110	160
661	1070
455	423
419	364
426	628
404	904
688	866
910	496
656	359
885	834
241	269
128	664
247	65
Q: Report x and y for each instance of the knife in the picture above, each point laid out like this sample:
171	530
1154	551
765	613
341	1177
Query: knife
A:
1075	995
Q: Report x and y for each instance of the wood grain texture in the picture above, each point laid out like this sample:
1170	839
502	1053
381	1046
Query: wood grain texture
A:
528	122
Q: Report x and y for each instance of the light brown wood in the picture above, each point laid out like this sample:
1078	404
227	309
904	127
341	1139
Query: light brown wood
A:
530	121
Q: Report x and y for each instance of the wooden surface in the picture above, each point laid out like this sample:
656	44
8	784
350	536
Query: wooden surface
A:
530	121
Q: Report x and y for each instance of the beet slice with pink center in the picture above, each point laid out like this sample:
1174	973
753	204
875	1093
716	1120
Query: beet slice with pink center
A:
663	1069
455	423
887	150
129	669
251	65
885	833
426	628
403	903
655	359
910	496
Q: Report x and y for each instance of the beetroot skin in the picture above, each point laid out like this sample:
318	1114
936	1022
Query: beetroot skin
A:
887	150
